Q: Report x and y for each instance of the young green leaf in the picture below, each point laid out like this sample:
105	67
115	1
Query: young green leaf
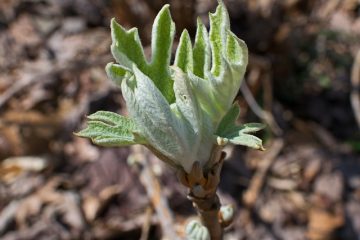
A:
224	89
201	52
239	135
233	50
110	129
153	116
248	141
184	54
237	55
185	99
252	127
163	32
116	72
226	125
127	50
219	23
126	46
176	110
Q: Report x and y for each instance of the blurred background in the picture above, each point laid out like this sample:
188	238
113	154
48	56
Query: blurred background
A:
303	81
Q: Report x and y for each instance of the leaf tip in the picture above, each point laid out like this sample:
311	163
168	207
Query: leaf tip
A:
164	12
114	24
81	133
199	21
112	21
78	134
108	67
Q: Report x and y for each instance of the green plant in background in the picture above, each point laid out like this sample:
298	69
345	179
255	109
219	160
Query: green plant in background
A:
184	113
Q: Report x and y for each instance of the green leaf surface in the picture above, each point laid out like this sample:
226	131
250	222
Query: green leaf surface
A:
184	54
224	89
204	91
252	127
201	52
116	72
185	99
233	50
127	50
153	116
248	141
163	32
219	24
126	46
177	110
216	89
239	135
228	121
109	129
237	55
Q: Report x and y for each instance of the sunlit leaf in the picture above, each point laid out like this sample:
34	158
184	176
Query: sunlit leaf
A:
179	112
184	54
109	129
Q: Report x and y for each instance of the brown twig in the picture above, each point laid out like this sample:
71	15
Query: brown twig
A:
257	181
355	81
147	224
7	215
202	192
266	116
156	196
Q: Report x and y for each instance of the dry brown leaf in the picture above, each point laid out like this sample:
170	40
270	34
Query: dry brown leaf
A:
24	32
82	150
93	205
322	223
331	186
13	167
52	202
311	169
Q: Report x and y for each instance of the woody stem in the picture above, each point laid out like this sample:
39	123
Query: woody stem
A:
208	210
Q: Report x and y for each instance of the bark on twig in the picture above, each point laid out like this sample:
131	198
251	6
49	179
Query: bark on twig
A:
145	230
202	192
208	209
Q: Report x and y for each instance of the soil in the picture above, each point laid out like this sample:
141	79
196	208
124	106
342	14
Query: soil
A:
54	185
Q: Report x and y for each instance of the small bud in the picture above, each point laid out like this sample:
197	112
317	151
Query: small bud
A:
196	231
226	215
222	141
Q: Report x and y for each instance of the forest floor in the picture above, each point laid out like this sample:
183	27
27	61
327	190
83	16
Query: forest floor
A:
303	74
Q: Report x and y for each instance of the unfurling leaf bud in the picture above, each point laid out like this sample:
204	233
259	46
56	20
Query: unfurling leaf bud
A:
181	112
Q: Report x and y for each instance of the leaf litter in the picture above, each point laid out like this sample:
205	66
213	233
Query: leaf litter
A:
54	185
